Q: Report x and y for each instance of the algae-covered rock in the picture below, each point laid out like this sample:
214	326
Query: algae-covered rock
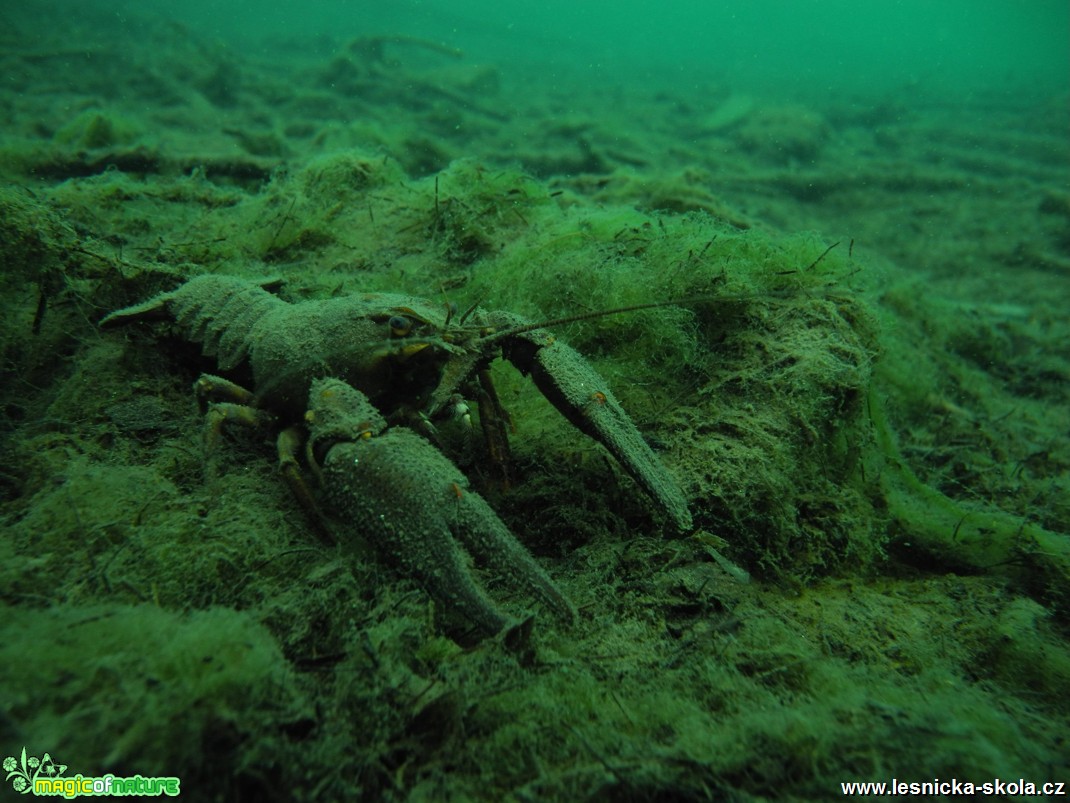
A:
783	133
95	129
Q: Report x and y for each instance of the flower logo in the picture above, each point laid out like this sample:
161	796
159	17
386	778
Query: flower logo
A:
22	773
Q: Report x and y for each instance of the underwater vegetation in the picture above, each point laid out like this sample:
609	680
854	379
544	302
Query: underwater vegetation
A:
874	580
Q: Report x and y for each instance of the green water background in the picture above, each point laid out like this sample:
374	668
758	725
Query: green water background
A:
815	47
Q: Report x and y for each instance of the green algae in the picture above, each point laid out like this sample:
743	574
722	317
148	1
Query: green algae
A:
155	683
758	385
964	536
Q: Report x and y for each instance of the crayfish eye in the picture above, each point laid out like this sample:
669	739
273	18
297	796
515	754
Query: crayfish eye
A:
400	326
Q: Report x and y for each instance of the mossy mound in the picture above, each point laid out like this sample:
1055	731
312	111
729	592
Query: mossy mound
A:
138	689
